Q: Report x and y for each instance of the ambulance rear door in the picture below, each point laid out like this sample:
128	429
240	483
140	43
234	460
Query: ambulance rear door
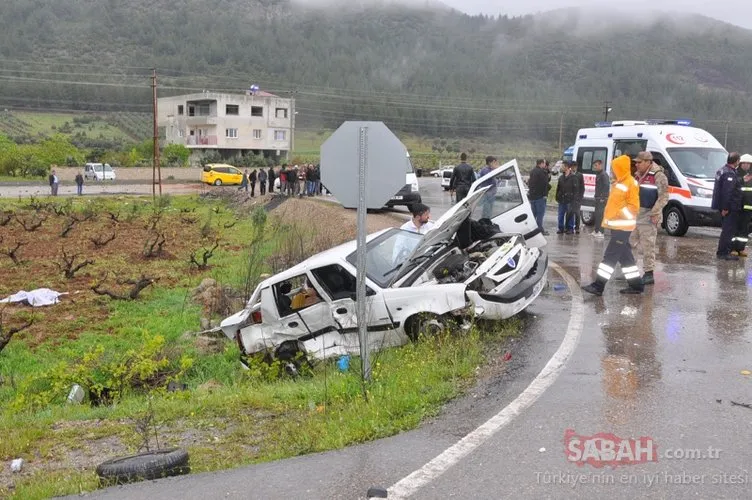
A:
586	153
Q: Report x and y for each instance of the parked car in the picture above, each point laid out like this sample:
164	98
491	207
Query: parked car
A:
415	283
98	172
446	177
220	173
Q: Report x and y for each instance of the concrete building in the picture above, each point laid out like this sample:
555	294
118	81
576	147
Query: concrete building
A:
231	124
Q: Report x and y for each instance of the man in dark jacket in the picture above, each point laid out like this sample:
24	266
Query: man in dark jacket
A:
602	188
739	242
727	198
579	194
565	191
538	192
252	179
262	181
271	178
463	177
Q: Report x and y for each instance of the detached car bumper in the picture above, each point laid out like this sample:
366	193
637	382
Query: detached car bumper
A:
512	301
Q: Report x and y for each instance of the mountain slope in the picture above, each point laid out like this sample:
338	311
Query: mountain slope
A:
426	69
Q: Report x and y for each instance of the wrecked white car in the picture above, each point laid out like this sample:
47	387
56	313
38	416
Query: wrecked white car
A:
461	268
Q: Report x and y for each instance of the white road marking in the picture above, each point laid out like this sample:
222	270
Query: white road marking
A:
408	485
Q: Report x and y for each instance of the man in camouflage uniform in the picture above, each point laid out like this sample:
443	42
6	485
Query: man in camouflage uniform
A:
653	198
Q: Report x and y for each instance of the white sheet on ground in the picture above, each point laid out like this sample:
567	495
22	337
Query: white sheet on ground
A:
35	298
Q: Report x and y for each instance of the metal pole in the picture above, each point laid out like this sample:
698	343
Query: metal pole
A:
156	136
360	292
561	129
292	126
725	136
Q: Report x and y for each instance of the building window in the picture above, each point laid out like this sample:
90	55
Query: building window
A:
181	132
257	111
279	135
281	113
232	109
257	133
180	109
231	133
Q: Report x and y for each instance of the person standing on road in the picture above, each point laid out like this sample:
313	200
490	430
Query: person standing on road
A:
54	182
283	179
490	196
739	242
262	181
620	217
462	178
244	182
252	179
653	198
602	188
79	184
538	188
564	196
727	198
579	193
271	180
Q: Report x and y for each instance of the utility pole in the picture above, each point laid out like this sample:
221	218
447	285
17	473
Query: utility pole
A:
156	172
292	124
606	109
561	129
725	136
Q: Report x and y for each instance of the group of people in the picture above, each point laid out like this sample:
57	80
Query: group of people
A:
732	197
54	182
633	211
293	181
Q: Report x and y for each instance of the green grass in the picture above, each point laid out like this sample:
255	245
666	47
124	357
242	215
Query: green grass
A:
228	416
47	124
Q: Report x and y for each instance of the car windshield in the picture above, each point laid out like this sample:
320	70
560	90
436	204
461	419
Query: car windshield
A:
385	254
700	163
107	168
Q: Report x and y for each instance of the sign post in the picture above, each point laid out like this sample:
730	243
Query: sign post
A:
363	164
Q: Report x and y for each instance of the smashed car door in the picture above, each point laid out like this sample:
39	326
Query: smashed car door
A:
506	203
339	284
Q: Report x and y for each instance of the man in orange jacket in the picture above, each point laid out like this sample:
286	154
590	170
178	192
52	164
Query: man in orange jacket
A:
620	216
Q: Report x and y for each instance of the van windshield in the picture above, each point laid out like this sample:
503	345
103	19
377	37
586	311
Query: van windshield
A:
700	163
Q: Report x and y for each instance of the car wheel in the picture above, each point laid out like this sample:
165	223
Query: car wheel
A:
675	222
588	218
291	355
218	182
149	465
426	324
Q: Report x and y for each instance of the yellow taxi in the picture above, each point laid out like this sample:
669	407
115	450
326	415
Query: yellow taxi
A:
221	173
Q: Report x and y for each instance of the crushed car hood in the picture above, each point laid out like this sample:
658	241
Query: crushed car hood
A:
444	230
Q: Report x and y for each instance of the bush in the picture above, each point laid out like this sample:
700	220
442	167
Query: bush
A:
105	375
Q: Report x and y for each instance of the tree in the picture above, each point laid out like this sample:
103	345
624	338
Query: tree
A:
176	154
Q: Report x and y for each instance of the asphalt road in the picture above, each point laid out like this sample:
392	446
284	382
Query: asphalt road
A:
663	367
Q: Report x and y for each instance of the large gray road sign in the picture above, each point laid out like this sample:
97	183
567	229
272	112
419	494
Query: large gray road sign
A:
386	163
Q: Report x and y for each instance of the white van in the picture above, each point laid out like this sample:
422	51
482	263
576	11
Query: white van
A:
689	156
99	172
410	192
446	177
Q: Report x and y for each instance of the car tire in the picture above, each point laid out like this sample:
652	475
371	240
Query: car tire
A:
218	182
426	324
675	222
588	218
144	466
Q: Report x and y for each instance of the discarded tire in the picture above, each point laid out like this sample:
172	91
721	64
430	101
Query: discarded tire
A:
144	466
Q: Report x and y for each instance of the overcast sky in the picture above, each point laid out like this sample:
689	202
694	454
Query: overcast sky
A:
738	12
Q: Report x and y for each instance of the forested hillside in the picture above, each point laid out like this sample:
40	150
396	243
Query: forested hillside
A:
432	71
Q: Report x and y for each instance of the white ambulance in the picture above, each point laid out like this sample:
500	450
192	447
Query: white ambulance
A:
689	156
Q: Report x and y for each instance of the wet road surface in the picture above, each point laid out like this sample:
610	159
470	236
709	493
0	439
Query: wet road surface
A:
663	367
